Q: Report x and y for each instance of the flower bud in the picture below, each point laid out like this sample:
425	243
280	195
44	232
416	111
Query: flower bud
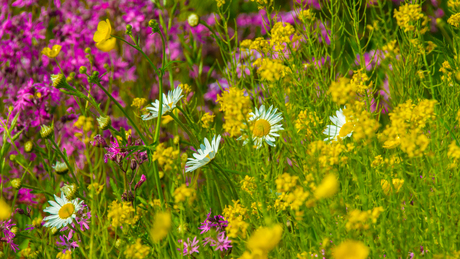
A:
14	230
60	168
88	50
193	19
16	183
104	122
106	66
154	25
69	190
71	76
129	29
141	181
99	141
176	139
12	157
82	70
95	74
133	164
58	80
46	132
161	173
28	146
54	231
119	243
37	222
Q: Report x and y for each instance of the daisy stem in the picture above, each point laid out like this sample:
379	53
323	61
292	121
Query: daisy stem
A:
190	134
234	192
65	160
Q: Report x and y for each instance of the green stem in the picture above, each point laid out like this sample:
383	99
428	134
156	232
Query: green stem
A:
234	192
124	112
65	160
189	133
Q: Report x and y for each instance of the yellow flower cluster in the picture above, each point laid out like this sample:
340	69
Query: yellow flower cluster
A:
137	250
408	15
281	34
407	127
122	213
343	91
360	219
161	226
66	255
272	69
328	187
306	15
236	107
360	79
262	241
248	184
186	88
280	202
165	156
454	5
234	215
259	44
454	154
220	3
138	102
286	182
261	3
28	253
183	192
84	122
397	184
328	154
207	120
364	126
237	227
447	73
351	249
306	121
391	49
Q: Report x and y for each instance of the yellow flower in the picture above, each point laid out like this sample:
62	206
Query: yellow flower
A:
121	213
53	52
102	37
5	210
263	240
137	250
207	120
351	249
397	183
328	187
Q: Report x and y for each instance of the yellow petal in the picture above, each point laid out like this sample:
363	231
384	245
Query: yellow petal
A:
46	51
99	36
103	27
109	31
55	51
106	45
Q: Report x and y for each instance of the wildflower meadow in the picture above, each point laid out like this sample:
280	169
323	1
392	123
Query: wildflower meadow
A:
230	129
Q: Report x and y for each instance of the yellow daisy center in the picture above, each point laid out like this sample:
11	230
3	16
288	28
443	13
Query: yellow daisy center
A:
66	211
346	129
170	104
261	128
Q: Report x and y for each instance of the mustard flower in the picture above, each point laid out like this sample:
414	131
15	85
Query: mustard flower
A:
103	38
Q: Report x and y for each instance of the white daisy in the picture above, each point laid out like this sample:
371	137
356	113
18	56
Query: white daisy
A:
341	127
205	154
264	126
62	211
169	103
